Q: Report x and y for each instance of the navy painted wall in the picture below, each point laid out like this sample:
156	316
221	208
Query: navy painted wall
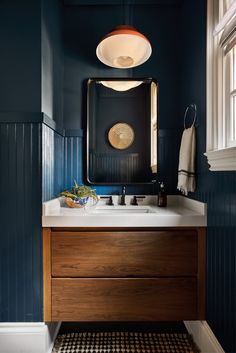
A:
52	64
20	69
217	189
20	210
81	63
20	154
53	163
178	64
22	32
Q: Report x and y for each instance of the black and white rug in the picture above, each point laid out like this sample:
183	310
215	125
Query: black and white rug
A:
124	342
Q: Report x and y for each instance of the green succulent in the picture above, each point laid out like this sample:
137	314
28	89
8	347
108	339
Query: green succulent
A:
79	191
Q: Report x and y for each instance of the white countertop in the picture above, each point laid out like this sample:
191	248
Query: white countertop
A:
180	212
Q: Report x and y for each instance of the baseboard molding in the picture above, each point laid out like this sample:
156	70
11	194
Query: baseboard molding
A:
203	337
53	330
25	337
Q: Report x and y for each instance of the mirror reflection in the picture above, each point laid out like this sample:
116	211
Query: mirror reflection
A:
122	131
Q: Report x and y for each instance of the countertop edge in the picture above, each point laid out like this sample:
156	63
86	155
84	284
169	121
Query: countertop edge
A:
196	215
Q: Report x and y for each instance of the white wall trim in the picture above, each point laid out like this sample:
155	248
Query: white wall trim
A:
224	159
54	328
37	337
221	157
203	337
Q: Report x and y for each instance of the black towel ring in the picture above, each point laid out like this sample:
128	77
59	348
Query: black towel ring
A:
193	107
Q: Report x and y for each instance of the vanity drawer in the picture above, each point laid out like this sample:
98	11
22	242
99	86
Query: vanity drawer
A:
147	299
124	254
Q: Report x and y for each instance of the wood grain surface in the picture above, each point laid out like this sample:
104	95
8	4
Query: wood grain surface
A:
124	274
124	253
147	299
47	295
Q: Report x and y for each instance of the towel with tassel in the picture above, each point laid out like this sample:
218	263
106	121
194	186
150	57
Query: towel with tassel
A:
187	153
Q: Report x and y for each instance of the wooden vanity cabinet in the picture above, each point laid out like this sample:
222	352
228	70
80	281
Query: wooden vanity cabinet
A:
123	274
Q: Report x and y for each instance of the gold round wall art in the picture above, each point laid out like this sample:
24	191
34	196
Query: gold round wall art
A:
121	136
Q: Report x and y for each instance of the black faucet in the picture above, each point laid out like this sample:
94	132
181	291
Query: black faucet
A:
110	201
134	202
122	199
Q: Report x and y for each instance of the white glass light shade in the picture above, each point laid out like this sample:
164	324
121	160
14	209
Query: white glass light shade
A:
121	85
124	48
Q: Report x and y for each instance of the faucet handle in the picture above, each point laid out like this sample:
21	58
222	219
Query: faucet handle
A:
110	201
134	201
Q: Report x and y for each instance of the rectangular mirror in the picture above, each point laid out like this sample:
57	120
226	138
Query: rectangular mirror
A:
121	131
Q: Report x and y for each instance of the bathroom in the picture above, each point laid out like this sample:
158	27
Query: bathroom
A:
48	54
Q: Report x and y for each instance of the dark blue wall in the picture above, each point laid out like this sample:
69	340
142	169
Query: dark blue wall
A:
52	96
52	61
178	36
20	68
217	189
22	31
28	148
53	163
20	158
20	210
81	63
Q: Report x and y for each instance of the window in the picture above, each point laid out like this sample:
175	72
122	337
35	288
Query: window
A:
230	96
221	85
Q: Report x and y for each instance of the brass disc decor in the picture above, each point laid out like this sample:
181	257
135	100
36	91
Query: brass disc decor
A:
121	136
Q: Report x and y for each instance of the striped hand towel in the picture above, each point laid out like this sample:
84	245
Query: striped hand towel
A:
187	153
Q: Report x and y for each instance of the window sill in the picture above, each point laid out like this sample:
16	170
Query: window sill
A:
224	159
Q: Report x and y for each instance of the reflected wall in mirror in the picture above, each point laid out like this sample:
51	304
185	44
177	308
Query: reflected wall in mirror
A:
122	131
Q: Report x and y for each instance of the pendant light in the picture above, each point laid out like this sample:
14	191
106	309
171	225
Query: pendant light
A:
123	48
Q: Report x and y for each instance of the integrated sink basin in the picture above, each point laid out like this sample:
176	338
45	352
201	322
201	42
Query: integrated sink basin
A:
123	209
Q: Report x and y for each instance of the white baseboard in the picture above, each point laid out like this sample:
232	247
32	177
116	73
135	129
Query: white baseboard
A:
203	336
37	337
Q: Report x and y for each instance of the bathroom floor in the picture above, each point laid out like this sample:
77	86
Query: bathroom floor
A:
161	327
124	338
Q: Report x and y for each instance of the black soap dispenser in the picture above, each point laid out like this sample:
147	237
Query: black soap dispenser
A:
162	197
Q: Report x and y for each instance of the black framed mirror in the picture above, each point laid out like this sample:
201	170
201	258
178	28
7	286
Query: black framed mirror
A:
121	131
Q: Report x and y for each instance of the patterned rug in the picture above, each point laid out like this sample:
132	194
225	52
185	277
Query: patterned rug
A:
124	342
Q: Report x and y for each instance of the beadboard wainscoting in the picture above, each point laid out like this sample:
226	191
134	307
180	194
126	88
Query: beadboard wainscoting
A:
52	163
24	337
20	210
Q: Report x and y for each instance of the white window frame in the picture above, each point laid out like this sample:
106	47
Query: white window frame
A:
219	157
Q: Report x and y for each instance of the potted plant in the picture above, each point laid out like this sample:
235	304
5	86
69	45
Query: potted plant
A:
79	195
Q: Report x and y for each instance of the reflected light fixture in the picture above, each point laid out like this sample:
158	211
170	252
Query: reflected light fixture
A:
121	86
123	48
